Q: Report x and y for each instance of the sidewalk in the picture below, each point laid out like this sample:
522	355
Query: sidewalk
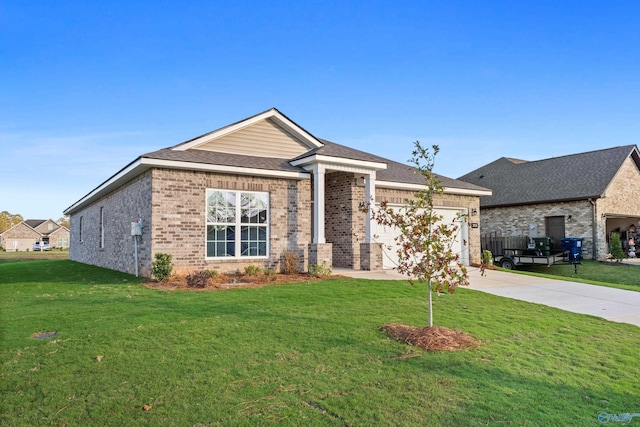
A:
616	305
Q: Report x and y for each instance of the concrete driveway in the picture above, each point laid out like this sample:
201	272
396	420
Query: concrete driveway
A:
616	305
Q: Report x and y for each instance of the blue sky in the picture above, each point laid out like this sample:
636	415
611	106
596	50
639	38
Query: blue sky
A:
86	87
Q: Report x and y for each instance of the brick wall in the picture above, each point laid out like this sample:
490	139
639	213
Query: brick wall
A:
172	203
344	221
179	218
121	207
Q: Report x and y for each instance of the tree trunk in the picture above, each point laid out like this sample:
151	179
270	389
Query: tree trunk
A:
430	304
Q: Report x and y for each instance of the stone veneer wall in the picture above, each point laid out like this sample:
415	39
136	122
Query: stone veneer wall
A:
515	220
622	198
120	208
395	196
179	218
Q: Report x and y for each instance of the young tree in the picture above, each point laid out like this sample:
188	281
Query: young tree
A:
425	242
616	247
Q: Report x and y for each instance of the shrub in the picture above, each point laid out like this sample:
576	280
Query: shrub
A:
211	273
270	273
320	270
487	257
252	270
162	267
198	279
291	263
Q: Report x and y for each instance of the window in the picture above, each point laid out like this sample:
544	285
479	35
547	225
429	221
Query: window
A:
237	223
80	233
101	227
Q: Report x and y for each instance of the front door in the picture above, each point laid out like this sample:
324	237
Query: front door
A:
554	226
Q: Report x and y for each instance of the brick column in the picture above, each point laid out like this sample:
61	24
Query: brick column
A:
370	256
321	252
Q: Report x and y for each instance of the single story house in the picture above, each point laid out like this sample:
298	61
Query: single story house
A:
248	193
586	195
22	236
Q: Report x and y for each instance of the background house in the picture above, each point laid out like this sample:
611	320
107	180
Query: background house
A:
250	192
586	195
23	235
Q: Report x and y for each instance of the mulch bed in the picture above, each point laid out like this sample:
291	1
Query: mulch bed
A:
434	338
229	281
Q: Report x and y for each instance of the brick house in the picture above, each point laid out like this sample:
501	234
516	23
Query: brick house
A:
246	194
587	195
23	235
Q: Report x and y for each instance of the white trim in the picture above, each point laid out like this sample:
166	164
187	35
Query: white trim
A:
274	114
238	227
328	160
237	170
142	164
418	187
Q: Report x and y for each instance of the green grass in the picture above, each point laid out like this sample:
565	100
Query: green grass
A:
295	354
622	276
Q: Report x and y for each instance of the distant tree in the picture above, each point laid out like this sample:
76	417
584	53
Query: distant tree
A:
63	221
8	220
425	242
616	247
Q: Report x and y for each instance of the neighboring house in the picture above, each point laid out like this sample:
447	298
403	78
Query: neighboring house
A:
23	235
586	195
248	193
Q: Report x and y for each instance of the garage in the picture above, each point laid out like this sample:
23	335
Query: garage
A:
386	236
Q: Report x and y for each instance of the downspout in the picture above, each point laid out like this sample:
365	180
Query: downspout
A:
594	228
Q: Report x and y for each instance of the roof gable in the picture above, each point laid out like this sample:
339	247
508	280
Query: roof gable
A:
268	134
24	226
572	177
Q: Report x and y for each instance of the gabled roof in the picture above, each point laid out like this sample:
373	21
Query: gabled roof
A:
33	223
19	225
573	177
200	154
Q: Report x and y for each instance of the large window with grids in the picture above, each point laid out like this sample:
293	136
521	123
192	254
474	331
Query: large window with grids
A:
237	223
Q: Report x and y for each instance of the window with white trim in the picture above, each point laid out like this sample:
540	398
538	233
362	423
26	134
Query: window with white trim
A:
237	223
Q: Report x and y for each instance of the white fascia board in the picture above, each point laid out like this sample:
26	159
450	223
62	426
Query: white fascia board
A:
418	187
273	114
133	169
142	164
328	160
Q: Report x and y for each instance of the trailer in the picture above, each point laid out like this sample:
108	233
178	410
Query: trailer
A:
512	258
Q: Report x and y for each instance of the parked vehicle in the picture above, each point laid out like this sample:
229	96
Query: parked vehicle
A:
41	246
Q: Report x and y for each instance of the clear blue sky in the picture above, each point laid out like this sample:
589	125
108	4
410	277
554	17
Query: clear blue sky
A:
86	87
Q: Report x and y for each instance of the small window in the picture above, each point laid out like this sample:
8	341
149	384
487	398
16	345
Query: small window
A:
80	232
101	227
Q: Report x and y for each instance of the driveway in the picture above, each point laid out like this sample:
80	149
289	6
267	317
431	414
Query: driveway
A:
616	305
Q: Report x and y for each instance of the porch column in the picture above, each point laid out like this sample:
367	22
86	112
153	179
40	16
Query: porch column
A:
370	197
318	203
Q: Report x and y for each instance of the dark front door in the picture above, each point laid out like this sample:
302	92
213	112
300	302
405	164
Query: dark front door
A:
554	226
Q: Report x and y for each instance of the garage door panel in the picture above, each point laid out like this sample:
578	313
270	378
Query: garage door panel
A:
386	236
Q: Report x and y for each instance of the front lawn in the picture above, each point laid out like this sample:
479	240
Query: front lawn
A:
622	276
295	354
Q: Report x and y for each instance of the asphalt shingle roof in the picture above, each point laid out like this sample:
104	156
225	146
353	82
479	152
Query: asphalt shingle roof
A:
572	177
395	172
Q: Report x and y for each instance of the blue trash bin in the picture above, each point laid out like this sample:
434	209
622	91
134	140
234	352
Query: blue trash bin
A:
572	248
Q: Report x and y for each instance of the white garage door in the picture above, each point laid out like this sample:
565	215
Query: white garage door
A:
386	236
